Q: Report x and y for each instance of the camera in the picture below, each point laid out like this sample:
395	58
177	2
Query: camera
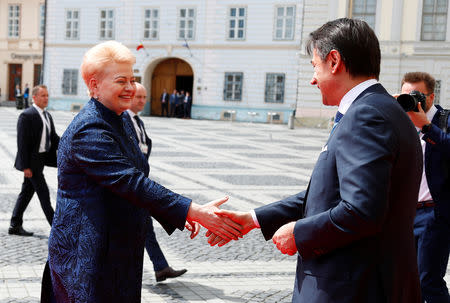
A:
409	101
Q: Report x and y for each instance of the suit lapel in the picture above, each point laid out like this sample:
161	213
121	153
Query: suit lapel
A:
37	123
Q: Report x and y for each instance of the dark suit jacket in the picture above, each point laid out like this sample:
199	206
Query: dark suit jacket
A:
164	98
29	132
437	166
354	229
127	118
96	243
173	98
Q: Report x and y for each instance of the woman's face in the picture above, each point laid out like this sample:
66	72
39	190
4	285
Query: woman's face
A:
116	87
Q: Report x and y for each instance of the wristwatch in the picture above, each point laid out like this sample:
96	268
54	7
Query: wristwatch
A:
426	128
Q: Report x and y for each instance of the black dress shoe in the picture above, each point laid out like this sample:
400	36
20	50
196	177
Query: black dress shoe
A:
168	272
18	230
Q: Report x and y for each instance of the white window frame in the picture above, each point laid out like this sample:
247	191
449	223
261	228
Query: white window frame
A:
284	19
237	18
270	94
14	21
365	13
186	20
70	24
41	20
107	19
235	86
72	81
434	15
151	22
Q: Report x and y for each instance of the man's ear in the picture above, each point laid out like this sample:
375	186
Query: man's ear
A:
335	60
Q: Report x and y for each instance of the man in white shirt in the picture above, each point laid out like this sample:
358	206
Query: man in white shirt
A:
37	143
160	265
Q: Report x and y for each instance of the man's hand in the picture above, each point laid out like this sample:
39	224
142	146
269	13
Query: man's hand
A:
284	239
27	173
418	118
193	227
206	216
242	218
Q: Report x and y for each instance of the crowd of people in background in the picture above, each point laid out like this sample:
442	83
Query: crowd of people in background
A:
178	104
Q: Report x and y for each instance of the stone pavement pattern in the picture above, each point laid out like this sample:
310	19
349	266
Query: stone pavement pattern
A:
254	164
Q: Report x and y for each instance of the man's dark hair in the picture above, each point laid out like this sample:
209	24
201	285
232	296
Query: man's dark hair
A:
416	77
36	89
355	41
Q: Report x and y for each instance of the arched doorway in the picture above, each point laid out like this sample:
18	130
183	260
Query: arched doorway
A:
170	74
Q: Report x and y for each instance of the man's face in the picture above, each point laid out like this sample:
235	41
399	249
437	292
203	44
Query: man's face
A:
138	102
324	79
41	98
421	87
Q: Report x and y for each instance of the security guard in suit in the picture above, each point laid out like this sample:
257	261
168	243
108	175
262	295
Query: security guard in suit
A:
160	265
37	143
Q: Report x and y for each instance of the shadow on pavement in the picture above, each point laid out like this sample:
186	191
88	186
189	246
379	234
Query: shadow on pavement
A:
173	291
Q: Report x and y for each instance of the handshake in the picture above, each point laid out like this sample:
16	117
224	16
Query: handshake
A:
224	226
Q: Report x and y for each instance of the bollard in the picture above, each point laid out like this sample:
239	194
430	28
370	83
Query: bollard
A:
291	121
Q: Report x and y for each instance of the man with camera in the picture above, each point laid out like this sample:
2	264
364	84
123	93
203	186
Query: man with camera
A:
432	221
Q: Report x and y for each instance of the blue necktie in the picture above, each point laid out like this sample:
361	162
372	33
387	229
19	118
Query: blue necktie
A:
338	118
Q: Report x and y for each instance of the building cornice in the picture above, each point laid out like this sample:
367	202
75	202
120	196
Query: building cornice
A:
290	46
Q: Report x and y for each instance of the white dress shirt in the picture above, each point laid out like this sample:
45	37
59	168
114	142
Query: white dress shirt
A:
424	191
46	124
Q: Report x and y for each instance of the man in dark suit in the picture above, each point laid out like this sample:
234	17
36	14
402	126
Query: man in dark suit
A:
187	102
37	143
164	103
432	221
160	265
173	102
353	227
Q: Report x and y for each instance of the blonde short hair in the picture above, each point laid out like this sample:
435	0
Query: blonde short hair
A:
98	57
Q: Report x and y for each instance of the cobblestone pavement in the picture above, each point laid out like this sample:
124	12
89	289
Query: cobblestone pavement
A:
252	163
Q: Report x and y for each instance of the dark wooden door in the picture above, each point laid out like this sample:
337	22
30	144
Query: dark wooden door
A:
165	76
15	77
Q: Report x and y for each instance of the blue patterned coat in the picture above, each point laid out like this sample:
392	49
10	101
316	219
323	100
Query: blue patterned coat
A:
104	201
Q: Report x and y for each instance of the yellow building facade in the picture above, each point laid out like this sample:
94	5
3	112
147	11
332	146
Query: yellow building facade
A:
22	27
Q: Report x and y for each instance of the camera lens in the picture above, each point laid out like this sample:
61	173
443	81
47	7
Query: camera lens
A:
407	102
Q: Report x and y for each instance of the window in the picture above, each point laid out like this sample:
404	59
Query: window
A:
236	23
107	24
70	82
186	23
437	92
274	88
151	23
284	22
72	24
233	87
364	10
42	20
13	21
434	20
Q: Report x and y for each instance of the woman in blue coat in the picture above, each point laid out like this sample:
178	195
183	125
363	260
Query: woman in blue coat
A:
104	198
